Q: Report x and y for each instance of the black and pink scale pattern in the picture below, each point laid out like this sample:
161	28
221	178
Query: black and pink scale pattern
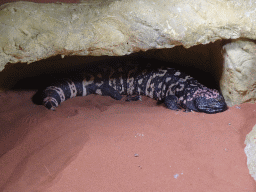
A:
176	89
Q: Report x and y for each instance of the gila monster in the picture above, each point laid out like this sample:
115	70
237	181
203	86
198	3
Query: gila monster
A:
176	89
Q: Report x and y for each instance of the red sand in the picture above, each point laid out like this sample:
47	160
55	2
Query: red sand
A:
95	143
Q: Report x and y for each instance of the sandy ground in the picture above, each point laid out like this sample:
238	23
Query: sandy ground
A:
95	143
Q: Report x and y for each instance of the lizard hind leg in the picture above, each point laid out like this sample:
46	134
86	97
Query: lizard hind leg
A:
107	90
171	102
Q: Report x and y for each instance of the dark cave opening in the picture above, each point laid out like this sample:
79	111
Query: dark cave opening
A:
203	62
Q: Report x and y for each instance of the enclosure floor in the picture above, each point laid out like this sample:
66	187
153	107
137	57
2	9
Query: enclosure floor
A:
98	144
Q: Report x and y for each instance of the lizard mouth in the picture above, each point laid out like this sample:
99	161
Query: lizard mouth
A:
211	105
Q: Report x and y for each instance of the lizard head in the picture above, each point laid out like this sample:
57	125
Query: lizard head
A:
207	101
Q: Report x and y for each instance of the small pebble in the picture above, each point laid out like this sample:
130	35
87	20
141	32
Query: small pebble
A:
176	176
136	155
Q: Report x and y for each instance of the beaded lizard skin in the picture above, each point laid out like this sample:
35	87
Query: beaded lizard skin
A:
176	89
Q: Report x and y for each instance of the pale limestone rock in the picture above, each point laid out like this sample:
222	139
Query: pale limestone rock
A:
238	80
31	31
250	151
